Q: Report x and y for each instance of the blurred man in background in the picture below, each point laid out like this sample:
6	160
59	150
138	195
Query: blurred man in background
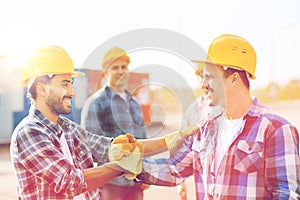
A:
113	111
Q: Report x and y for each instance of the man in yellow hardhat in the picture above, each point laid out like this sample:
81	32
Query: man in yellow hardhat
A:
246	151
52	156
112	111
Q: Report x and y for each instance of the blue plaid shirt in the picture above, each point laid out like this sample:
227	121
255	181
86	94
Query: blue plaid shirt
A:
42	170
106	113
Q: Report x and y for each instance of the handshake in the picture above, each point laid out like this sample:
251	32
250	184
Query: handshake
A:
126	152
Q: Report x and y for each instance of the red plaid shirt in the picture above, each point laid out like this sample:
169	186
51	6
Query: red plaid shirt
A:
42	170
262	162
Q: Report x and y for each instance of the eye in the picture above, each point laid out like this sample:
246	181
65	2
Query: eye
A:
206	77
115	67
66	84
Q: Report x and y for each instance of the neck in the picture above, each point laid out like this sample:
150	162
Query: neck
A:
238	106
115	88
45	110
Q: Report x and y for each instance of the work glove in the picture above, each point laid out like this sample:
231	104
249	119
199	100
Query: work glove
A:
175	139
126	152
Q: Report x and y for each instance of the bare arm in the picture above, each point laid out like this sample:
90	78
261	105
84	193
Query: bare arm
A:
98	176
154	146
167	142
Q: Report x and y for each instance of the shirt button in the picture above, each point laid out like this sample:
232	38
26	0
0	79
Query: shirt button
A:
221	171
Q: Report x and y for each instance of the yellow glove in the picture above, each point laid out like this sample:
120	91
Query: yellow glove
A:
127	152
134	142
120	146
175	139
123	145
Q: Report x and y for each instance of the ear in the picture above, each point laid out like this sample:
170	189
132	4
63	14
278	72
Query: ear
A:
235	78
104	73
41	89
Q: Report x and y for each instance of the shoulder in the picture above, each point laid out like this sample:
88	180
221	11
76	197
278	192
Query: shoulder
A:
28	123
30	129
271	124
263	112
97	95
275	119
95	98
135	101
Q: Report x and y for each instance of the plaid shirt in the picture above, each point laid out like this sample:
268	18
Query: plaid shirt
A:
42	170
261	163
108	112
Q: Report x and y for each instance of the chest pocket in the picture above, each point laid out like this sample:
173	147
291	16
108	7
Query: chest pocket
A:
248	156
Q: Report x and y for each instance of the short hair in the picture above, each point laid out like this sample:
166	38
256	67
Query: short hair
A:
243	74
31	90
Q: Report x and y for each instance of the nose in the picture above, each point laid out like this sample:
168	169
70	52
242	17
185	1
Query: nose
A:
204	85
203	82
71	91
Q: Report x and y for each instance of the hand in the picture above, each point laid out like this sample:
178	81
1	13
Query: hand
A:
120	146
123	145
126	152
175	139
134	142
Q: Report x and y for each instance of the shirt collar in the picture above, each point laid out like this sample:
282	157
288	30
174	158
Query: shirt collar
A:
256	108
56	128
112	94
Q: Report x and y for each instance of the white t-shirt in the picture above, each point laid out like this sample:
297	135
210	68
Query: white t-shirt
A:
122	95
67	153
227	130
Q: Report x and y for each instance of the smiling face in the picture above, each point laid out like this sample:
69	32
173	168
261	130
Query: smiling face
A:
59	94
117	74
214	84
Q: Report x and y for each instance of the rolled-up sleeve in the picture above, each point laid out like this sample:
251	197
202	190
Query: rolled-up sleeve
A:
169	171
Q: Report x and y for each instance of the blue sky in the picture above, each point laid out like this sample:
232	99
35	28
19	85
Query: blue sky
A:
272	26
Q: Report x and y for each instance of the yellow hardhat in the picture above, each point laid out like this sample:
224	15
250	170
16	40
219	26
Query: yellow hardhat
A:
48	60
231	51
112	55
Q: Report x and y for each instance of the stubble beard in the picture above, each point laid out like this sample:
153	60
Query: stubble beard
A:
56	104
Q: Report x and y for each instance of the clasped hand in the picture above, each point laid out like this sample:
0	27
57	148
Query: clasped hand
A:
126	152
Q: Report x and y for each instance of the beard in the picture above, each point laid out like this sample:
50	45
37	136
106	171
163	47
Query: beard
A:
55	104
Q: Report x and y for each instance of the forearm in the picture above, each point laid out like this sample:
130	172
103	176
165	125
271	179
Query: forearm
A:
153	146
170	142
98	176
